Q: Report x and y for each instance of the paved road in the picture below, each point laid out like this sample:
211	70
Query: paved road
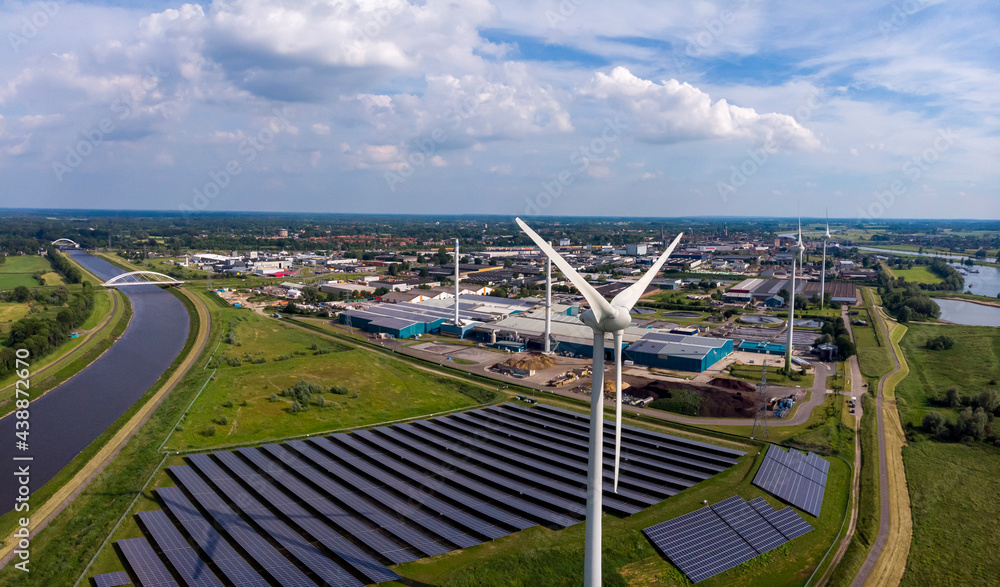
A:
883	475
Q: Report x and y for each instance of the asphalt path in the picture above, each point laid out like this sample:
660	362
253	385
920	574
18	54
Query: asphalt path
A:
883	473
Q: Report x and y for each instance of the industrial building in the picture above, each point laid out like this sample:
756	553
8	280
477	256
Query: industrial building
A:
678	352
414	319
762	289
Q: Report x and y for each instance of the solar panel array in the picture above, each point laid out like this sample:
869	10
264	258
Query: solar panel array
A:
799	479
339	510
721	536
112	579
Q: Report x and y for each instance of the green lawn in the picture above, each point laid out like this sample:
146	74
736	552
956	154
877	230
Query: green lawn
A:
969	367
754	372
11	312
381	388
18	270
919	274
954	502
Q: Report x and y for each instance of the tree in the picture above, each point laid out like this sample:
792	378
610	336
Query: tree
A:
953	398
972	424
989	400
310	295
934	424
21	294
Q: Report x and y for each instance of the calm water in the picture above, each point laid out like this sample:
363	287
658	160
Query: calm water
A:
938	255
68	418
984	283
969	313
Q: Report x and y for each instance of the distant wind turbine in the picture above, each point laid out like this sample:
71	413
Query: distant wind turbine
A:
797	248
602	317
822	275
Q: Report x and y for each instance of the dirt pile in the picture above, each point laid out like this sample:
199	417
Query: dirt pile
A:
732	384
531	361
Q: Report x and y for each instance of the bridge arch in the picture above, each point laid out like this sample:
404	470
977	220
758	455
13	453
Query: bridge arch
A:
137	278
65	241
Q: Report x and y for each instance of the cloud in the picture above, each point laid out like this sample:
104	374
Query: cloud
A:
672	112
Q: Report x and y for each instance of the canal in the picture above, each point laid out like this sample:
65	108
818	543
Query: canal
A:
67	419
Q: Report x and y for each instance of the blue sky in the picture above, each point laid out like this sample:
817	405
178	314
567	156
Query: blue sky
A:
571	107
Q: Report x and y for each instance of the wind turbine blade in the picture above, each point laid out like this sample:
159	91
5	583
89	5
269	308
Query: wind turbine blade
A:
828	223
618	401
628	297
598	304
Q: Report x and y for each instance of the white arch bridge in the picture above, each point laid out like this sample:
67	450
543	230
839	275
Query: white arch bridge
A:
141	278
65	242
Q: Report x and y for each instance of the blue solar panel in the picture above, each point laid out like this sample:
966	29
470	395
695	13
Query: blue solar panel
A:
225	557
386	439
344	549
721	536
794	477
149	570
291	541
185	561
700	544
342	449
749	524
112	579
259	549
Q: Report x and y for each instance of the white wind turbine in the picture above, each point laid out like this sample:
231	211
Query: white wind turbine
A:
602	317
822	275
796	248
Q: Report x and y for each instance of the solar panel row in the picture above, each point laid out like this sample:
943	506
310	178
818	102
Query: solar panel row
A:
336	510
185	561
112	579
148	569
795	477
293	543
719	537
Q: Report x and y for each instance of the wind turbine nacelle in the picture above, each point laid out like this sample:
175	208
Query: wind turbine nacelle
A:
617	321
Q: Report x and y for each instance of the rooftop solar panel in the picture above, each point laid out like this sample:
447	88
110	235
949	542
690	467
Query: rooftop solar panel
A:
229	562
112	579
185	561
794	477
149	570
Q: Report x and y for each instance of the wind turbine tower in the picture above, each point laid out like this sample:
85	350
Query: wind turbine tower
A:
457	323
795	249
548	303
602	317
822	273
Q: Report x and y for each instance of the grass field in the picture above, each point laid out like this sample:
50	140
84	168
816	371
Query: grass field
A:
11	312
381	388
954	501
874	356
753	373
969	367
919	274
18	270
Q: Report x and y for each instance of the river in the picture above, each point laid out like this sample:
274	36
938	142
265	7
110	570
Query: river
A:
918	254
67	419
